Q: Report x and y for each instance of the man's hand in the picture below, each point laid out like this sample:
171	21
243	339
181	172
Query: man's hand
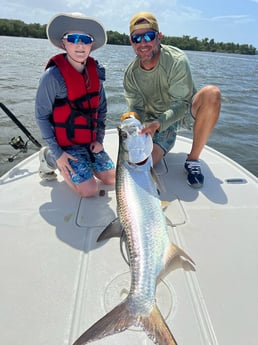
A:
151	128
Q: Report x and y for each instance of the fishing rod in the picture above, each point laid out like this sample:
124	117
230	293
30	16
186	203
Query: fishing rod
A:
20	125
17	142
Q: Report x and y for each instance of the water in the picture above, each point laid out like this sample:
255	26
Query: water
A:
22	61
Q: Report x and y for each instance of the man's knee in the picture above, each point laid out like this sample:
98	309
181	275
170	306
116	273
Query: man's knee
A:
208	96
212	94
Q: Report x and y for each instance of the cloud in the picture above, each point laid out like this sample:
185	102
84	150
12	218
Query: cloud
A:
236	19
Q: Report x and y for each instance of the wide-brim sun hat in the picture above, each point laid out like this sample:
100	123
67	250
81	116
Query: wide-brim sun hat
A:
63	23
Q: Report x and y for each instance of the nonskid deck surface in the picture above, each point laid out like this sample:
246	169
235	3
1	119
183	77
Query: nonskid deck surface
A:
57	280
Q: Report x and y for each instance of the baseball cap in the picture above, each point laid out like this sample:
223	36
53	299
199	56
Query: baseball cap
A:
135	22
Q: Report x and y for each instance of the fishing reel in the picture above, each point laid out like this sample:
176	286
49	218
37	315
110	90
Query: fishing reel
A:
18	144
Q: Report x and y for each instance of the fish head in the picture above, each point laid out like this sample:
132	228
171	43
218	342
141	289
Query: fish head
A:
137	147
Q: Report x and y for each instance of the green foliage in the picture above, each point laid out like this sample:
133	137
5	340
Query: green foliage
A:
192	43
10	27
115	37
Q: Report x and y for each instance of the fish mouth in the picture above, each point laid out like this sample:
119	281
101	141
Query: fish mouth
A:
142	162
141	154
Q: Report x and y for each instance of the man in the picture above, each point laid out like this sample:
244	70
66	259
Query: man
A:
159	87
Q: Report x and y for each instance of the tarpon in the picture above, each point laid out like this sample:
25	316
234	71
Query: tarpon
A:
150	250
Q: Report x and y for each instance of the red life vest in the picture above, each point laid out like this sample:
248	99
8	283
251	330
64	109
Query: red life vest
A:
75	118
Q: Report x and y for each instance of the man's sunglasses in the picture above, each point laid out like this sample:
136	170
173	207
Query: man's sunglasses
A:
76	38
148	37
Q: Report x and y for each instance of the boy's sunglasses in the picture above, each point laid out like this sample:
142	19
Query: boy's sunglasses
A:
76	38
148	37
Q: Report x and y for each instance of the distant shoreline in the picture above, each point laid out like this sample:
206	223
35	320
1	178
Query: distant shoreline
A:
17	28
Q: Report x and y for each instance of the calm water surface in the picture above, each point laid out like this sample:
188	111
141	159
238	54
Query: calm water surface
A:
22	62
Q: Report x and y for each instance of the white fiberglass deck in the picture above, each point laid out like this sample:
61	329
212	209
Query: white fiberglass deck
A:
56	280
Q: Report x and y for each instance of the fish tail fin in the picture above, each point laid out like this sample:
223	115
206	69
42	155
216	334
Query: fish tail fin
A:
116	321
156	328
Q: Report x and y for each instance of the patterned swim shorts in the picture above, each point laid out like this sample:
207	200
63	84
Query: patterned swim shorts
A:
87	163
166	139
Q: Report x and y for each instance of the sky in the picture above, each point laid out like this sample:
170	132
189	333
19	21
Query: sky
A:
222	20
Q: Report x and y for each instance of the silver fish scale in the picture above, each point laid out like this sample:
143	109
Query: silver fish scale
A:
140	212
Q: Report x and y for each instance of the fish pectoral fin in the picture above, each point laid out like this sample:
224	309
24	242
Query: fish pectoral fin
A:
116	321
114	229
156	328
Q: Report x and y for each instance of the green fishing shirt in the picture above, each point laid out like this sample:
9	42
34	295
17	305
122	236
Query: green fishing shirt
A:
163	93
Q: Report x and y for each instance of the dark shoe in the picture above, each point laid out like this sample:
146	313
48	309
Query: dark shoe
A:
195	177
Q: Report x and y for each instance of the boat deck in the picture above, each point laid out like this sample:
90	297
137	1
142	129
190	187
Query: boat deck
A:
56	280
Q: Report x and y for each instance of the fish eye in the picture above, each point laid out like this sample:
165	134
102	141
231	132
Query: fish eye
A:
124	135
